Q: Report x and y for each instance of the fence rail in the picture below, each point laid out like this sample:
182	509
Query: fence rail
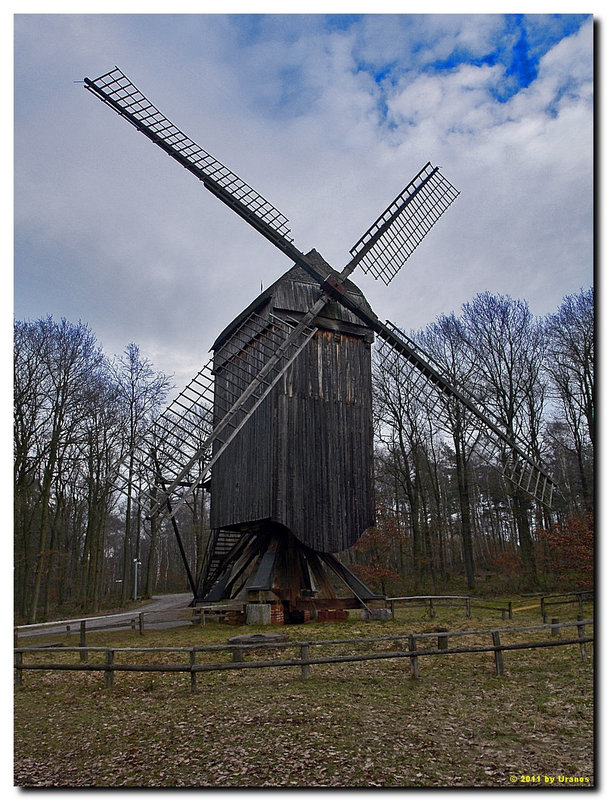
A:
412	650
506	610
137	620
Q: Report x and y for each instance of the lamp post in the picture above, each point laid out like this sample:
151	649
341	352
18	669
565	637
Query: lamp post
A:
137	564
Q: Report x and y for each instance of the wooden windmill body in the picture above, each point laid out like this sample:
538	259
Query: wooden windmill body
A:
300	474
278	424
305	458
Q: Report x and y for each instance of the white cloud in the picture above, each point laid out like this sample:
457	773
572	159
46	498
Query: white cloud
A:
151	257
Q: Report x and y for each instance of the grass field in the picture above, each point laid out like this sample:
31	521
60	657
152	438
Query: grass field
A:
367	724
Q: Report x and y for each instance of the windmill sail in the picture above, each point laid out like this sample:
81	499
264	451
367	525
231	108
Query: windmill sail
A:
179	449
404	360
382	251
117	91
389	242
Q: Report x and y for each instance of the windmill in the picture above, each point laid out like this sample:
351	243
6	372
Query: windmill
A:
288	389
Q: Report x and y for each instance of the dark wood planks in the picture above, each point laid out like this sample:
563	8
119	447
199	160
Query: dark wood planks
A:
304	459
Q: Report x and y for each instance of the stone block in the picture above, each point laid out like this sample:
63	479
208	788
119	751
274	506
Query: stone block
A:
381	614
258	614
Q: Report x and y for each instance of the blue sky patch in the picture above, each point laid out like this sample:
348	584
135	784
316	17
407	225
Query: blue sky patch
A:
518	46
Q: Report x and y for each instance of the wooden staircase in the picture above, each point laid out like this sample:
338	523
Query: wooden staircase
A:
223	549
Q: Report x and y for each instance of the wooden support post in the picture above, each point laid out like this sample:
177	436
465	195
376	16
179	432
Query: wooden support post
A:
392	606
109	672
503	613
468	608
141	625
305	655
499	658
543	609
68	631
580	633
192	671
432	611
509	609
18	670
133	624
84	656
555	631
15	637
443	641
413	659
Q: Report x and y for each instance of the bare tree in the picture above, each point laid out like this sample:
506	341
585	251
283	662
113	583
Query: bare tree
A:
102	450
28	417
401	432
446	341
508	349
67	356
142	392
570	333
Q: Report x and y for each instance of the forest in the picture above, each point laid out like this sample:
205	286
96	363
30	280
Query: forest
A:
447	519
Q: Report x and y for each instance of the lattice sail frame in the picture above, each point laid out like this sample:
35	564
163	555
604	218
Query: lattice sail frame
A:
114	87
394	235
179	449
494	450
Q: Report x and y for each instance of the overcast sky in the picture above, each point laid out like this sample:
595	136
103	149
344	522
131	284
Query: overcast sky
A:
328	117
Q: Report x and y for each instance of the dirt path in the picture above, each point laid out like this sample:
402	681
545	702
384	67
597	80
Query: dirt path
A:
157	606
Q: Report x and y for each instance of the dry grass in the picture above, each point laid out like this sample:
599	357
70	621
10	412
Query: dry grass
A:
353	725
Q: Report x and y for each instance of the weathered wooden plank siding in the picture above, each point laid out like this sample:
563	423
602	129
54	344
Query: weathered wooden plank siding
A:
323	465
241	487
305	458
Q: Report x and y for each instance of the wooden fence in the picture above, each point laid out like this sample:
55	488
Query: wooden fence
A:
137	620
434	601
412	650
561	599
507	609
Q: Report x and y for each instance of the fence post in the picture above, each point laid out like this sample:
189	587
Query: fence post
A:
15	637
443	641
392	608
468	607
305	655
503	613
509	609
413	659
141	628
192	671
580	633
499	659
18	670
580	605
109	672
555	631
84	656
543	609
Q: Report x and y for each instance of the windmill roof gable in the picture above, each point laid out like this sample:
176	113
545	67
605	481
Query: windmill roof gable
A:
296	292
